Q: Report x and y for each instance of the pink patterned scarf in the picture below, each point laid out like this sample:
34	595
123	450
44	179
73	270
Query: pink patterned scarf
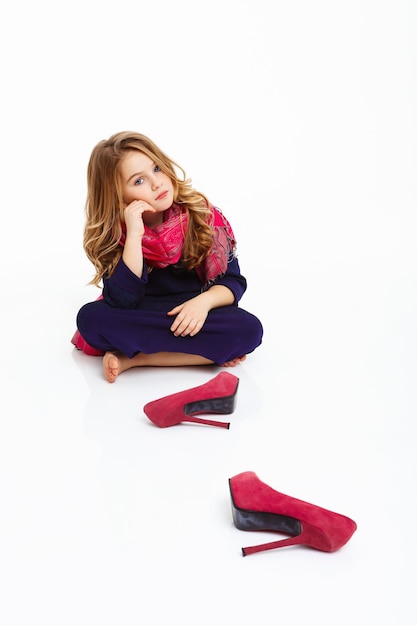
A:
163	244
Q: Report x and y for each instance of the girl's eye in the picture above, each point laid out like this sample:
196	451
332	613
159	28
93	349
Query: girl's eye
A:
139	181
156	168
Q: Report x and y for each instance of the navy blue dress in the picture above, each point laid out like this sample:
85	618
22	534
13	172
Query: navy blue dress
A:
132	316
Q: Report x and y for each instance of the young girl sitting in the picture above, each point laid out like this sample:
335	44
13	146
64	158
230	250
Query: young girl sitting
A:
166	258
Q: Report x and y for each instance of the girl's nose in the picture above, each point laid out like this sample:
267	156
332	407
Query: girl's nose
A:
155	184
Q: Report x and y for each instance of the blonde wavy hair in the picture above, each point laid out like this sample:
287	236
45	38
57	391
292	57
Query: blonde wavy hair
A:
104	206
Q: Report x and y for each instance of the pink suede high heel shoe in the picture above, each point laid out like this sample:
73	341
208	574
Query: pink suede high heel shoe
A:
218	395
256	506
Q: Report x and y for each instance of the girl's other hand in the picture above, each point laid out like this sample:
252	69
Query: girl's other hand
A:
189	317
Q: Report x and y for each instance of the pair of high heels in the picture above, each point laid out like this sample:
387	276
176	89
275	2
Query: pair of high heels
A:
255	505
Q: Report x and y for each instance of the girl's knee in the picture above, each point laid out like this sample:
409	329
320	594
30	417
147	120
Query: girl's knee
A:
86	319
254	328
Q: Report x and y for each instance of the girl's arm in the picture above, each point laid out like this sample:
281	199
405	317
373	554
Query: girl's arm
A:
217	295
234	280
132	254
126	287
189	317
123	289
135	228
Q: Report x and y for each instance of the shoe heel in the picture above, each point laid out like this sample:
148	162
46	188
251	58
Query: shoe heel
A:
308	536
206	422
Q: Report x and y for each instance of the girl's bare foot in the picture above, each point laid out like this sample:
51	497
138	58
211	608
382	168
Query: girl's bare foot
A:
235	361
114	364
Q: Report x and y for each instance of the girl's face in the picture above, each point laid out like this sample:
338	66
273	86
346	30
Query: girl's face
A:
143	180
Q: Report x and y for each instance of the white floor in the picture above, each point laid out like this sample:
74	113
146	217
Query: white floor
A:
302	128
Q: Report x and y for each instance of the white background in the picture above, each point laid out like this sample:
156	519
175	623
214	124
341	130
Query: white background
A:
297	119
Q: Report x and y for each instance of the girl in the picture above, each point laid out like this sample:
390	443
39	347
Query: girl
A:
167	260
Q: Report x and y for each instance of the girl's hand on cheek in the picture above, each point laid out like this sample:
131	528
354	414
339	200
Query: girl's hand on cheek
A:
133	216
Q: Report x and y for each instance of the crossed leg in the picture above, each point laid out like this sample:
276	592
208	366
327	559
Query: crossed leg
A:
114	363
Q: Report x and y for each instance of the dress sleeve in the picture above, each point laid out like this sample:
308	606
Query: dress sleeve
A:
232	279
123	289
